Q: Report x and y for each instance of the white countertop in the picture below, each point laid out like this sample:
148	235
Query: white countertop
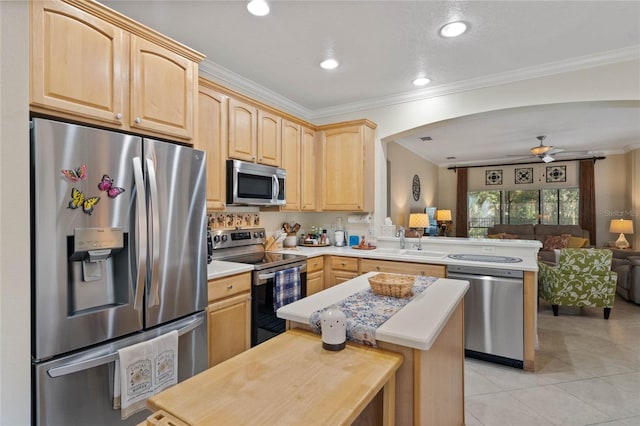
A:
219	269
436	249
417	325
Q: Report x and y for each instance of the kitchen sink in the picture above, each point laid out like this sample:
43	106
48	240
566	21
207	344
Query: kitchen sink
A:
424	253
386	250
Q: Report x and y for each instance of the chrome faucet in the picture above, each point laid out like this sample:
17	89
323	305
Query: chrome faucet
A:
401	232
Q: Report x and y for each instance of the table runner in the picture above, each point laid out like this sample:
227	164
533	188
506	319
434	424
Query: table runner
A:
366	311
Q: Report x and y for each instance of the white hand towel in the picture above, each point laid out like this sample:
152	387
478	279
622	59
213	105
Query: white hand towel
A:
165	352
135	371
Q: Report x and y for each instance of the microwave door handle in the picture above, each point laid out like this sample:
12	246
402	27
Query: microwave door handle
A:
86	364
276	187
154	299
140	232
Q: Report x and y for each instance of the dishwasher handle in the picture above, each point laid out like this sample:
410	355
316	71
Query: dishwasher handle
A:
474	277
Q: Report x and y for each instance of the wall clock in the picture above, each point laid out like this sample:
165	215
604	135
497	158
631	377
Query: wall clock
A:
415	187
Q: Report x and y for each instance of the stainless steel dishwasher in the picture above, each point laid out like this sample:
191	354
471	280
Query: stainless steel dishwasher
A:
493	322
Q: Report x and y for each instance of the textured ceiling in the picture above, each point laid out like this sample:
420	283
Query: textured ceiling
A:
383	45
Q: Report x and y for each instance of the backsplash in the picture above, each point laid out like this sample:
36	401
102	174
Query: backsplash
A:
227	220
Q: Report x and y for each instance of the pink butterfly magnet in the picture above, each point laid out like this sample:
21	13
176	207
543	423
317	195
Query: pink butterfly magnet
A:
75	175
106	184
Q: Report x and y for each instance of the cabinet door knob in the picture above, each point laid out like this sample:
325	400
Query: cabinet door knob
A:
138	120
378	268
119	116
230	286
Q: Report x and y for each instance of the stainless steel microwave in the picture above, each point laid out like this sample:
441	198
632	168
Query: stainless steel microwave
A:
255	184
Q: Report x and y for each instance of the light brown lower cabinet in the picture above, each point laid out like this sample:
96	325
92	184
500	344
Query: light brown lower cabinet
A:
341	269
229	317
369	265
315	275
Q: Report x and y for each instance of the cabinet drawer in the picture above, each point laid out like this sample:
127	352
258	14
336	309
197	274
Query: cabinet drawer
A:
315	264
229	286
344	263
368	265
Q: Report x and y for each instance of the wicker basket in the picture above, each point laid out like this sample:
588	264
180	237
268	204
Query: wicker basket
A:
394	285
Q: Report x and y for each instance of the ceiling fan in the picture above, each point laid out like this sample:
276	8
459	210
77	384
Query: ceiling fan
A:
544	152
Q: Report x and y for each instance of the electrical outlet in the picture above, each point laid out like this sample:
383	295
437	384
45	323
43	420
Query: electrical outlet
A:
488	249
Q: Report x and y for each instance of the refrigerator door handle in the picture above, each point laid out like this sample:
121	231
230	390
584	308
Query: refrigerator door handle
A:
154	299
141	232
63	370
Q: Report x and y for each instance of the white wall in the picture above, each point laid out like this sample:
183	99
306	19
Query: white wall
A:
14	214
612	189
404	165
633	197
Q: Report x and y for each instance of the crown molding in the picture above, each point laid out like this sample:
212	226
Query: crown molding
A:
574	64
250	88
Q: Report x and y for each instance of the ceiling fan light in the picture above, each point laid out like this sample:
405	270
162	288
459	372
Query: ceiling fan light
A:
421	81
329	64
539	150
258	7
453	29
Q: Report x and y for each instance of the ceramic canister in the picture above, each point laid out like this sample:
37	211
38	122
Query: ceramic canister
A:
334	329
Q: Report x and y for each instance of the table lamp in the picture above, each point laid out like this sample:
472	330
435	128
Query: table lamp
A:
443	217
419	221
621	226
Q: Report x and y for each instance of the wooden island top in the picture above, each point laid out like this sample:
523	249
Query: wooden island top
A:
287	380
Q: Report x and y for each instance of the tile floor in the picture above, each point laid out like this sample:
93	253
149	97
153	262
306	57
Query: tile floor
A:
587	373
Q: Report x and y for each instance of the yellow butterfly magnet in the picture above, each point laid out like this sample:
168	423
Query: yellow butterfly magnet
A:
78	199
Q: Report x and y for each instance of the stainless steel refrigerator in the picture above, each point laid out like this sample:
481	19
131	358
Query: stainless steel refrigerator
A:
118	257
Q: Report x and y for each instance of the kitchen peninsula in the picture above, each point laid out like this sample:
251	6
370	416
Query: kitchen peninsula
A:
428	332
437	256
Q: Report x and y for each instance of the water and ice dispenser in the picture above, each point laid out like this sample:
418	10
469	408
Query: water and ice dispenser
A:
98	268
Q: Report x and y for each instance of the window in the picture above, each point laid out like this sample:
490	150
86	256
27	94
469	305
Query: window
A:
548	206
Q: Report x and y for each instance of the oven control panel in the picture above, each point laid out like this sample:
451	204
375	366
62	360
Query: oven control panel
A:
228	238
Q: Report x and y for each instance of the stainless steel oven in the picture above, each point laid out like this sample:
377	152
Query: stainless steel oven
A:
264	323
247	246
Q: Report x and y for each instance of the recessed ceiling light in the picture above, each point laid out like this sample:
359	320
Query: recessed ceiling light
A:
329	64
453	29
258	7
421	81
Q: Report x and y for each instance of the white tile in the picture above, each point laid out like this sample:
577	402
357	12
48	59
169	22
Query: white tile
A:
587	373
558	406
502	409
604	396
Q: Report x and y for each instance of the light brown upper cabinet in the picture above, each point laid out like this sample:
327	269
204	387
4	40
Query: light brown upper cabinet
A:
211	137
163	90
254	135
347	158
309	170
291	138
94	65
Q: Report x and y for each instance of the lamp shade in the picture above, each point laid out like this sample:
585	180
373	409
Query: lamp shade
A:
621	226
443	215
418	220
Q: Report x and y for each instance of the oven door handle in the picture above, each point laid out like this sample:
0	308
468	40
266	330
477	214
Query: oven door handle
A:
263	278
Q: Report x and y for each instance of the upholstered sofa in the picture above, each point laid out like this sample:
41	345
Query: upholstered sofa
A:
626	264
551	236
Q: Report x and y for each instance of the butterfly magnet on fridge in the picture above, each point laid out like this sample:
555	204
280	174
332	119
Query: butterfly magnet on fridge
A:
76	174
78	199
106	184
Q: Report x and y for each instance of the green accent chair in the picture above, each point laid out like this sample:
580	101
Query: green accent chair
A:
582	277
